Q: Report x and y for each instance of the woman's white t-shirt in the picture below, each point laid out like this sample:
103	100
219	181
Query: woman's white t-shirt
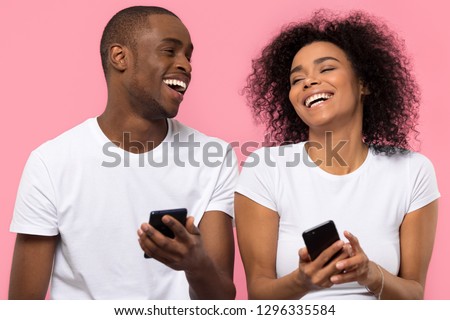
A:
370	202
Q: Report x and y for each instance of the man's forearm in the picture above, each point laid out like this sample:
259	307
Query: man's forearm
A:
208	283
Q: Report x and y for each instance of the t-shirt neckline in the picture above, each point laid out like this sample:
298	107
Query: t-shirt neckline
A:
103	139
351	175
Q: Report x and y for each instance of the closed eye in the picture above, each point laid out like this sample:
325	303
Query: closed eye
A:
169	51
327	69
296	80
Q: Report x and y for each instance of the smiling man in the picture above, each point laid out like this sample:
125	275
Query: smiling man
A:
77	212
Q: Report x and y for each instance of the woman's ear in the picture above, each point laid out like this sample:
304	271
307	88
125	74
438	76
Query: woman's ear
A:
364	89
118	57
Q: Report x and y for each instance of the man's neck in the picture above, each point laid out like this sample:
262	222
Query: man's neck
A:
132	132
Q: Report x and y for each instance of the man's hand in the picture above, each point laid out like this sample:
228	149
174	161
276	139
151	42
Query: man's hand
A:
184	252
206	253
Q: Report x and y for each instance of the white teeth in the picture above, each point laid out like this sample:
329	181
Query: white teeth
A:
173	82
309	101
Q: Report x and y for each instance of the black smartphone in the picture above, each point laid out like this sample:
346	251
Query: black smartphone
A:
320	237
156	222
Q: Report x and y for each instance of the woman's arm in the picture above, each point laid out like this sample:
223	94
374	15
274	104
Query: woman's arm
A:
257	232
417	234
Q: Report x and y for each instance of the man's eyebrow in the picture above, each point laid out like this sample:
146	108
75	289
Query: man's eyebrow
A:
178	42
317	61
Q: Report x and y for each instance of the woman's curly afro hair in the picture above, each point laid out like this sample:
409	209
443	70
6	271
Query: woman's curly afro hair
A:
378	59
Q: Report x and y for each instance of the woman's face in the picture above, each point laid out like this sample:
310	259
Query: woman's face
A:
325	91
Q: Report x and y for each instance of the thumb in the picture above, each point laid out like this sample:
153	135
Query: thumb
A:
191	227
304	255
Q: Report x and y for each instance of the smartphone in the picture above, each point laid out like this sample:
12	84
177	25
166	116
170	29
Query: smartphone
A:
320	237
156	222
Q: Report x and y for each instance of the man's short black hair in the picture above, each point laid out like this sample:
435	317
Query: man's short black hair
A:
123	27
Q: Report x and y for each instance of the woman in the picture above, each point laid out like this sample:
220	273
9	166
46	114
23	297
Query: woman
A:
338	97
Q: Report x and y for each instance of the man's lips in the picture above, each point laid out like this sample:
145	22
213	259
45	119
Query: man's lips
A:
177	85
175	94
178	81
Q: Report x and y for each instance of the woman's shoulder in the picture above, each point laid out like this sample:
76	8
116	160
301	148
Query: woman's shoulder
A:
403	158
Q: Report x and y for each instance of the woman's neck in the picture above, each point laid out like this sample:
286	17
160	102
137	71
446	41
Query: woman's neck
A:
337	153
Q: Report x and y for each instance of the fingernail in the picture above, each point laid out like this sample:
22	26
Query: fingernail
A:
140	232
340	265
145	228
334	279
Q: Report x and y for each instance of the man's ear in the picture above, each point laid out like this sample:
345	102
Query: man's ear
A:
118	57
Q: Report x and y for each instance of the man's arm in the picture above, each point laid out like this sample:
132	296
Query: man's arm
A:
214	279
32	266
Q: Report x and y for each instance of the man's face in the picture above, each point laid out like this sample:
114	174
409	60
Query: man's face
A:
160	70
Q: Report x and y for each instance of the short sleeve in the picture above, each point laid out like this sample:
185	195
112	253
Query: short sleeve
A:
222	198
424	188
35	211
256	180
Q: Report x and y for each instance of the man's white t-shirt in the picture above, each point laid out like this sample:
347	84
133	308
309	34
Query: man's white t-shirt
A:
95	196
370	202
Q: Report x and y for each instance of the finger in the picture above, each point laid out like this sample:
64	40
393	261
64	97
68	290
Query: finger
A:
304	255
340	255
330	267
154	243
191	227
153	252
349	276
144	247
328	253
350	263
163	250
347	264
177	228
354	242
348	248
145	243
149	231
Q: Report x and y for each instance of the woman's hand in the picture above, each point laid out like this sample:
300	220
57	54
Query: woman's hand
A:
316	274
357	267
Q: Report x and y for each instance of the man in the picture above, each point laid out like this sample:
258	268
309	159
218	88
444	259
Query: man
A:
83	195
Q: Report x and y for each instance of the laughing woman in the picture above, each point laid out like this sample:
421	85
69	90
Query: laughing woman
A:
338	96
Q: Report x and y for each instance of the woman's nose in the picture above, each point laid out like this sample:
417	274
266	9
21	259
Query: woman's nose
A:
310	81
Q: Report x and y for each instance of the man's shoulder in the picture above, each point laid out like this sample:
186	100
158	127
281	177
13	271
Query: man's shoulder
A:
74	135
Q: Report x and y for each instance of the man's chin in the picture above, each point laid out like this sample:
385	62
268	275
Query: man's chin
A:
171	113
167	112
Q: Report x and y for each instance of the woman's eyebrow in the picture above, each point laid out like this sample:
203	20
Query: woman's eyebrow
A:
317	61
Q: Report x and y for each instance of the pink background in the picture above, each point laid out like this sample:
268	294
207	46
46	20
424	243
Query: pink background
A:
51	80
